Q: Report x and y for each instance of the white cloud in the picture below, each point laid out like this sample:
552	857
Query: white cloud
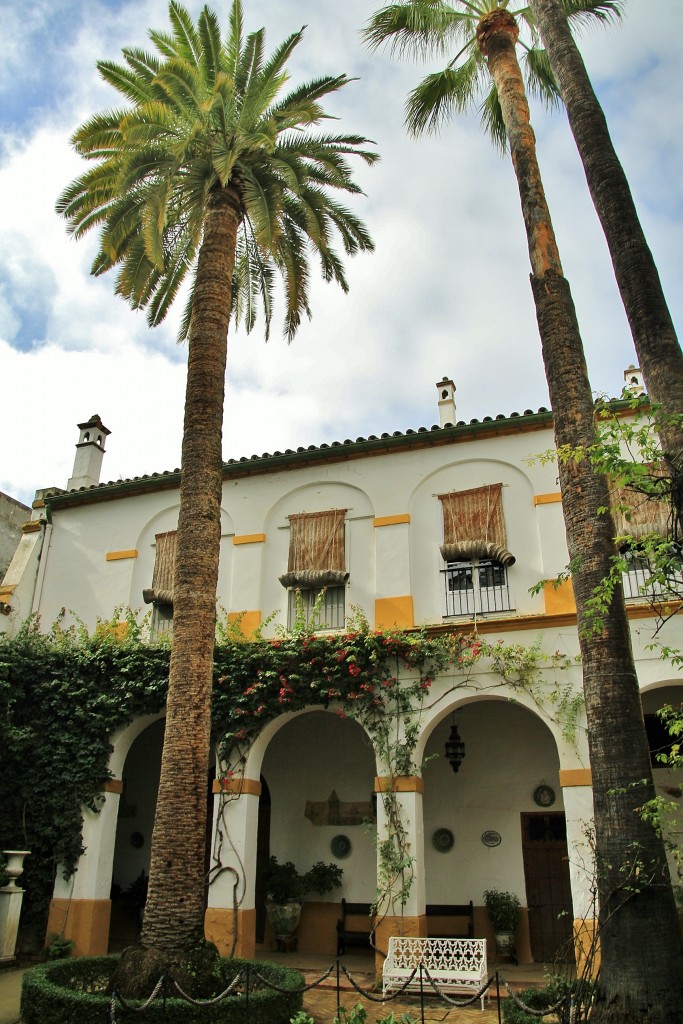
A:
447	291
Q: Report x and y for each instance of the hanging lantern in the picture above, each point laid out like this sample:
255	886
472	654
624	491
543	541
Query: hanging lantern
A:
455	748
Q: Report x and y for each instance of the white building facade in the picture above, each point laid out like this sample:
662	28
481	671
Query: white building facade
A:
452	528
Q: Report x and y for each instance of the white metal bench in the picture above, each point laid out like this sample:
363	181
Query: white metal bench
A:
456	964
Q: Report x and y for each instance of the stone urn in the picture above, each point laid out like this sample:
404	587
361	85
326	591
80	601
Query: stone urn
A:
14	867
284	917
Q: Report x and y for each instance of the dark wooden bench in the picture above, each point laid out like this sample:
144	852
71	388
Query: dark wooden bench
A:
450	920
354	925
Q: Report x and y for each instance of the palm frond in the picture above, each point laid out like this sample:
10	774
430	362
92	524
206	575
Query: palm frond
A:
540	78
233	44
144	64
182	83
126	81
210	35
441	94
417	28
291	258
170	281
188	39
584	11
206	113
491	117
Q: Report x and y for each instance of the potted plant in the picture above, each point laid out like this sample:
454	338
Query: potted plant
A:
503	909
286	888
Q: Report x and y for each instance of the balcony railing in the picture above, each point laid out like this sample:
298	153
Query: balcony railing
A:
475	588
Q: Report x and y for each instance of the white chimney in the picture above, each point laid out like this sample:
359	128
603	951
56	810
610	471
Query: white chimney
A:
634	384
89	454
446	389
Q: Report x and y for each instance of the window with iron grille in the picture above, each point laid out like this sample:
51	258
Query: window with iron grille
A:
639	582
330	613
475	587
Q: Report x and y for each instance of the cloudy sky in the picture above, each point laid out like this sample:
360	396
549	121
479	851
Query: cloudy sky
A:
445	293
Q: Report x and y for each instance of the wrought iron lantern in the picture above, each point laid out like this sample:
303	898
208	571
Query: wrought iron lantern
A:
455	747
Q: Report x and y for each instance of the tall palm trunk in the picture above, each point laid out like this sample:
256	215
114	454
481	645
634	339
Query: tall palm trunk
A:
650	973
654	335
179	836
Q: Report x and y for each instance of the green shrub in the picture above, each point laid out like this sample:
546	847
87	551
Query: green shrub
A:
535	998
75	991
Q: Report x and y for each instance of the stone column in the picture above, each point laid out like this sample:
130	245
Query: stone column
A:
230	920
408	919
578	807
81	906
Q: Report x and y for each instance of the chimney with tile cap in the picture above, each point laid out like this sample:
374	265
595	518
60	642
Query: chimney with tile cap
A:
446	389
89	454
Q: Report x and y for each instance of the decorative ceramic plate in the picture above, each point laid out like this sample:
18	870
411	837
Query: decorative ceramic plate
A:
341	846
443	840
544	796
491	838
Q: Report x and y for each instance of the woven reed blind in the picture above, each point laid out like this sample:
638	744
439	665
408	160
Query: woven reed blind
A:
316	550
645	514
474	525
161	591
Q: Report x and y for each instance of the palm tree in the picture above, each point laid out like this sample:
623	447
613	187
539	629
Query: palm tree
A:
654	334
210	173
633	973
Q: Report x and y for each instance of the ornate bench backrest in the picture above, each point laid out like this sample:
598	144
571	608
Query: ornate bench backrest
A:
407	952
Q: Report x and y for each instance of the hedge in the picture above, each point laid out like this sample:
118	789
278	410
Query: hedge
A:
54	993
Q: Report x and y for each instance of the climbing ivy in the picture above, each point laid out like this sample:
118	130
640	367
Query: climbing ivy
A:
64	693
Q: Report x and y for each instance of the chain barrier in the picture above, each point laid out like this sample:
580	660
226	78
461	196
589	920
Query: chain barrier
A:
371	996
460	1003
167	981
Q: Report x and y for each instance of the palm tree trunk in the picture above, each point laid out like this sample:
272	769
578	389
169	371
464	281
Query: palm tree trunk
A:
642	979
654	335
174	915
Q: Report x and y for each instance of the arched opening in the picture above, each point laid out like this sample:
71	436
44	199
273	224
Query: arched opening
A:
135	821
318	771
489	811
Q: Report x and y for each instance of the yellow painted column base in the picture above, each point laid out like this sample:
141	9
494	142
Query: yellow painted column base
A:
220	924
586	947
388	926
86	922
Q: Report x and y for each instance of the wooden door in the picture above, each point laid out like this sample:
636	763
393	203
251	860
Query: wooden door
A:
548	889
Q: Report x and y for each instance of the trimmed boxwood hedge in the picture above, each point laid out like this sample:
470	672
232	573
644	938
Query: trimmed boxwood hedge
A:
53	993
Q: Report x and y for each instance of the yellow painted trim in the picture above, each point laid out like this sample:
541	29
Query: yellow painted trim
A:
114	556
249	538
646	611
394	611
112	786
399	784
559	598
84	921
586	947
575	777
248	621
250	787
220	926
32	526
547	499
391	520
